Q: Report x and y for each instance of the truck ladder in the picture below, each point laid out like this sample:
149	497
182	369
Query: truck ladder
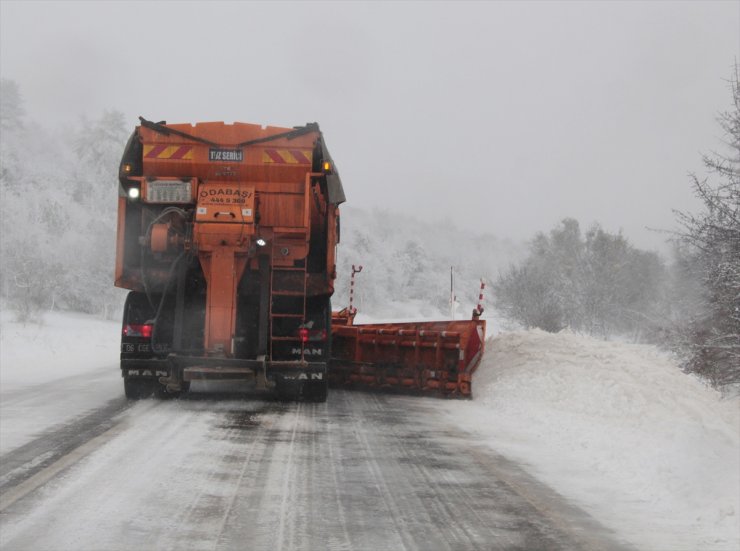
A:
288	286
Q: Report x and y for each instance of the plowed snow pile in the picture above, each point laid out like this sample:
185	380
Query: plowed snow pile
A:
648	451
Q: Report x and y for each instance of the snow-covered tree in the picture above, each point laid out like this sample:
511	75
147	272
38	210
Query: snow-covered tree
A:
597	283
29	204
58	211
407	264
11	105
712	239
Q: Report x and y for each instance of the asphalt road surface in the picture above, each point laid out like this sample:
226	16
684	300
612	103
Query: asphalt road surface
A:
219	472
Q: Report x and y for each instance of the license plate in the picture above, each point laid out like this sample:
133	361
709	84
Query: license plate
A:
226	155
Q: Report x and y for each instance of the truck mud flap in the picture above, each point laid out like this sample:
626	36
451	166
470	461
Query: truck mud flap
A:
144	368
300	380
297	371
430	358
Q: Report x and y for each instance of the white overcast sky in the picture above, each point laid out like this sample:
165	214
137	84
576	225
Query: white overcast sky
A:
499	117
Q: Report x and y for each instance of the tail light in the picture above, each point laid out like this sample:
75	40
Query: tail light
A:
308	335
138	330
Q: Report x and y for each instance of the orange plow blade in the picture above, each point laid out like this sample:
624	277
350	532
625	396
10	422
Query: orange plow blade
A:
435	358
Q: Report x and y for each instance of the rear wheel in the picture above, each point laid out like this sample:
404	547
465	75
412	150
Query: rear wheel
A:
140	389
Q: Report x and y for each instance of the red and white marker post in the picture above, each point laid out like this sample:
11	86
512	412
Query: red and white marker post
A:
478	310
352	310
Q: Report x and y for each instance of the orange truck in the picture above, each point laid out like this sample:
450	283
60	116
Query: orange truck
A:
227	238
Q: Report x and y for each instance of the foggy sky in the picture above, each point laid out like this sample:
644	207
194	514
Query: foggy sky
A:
496	117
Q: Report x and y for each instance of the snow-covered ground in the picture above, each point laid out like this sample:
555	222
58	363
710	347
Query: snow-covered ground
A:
64	344
650	452
79	352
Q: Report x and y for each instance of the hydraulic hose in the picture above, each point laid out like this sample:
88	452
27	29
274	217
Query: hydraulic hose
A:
166	289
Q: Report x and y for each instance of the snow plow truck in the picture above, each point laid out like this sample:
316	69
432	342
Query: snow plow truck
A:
227	239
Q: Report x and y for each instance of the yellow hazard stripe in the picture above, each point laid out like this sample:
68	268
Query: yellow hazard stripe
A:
175	152
287	156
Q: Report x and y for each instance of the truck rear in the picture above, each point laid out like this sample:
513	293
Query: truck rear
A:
227	239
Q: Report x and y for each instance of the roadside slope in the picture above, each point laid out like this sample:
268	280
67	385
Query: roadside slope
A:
649	451
53	372
62	345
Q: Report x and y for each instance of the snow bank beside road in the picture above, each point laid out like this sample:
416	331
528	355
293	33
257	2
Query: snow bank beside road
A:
65	344
650	452
77	354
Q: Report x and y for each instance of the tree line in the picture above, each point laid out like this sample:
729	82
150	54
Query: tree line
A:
58	197
598	283
595	282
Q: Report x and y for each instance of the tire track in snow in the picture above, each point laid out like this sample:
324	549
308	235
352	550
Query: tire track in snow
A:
238	432
118	489
363	471
451	507
335	543
408	475
287	511
256	442
31	459
396	512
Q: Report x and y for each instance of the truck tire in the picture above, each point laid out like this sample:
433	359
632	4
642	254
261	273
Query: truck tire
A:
140	389
137	389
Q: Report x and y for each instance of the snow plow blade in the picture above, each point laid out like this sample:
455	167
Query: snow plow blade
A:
436	358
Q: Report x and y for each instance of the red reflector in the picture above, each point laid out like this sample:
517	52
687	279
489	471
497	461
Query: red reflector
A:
303	334
138	330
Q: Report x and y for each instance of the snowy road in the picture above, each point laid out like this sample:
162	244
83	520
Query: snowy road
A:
360	472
